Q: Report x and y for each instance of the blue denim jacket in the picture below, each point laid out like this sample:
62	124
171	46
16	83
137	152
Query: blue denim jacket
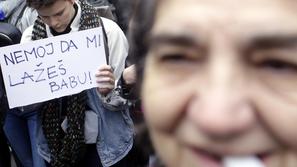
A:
115	132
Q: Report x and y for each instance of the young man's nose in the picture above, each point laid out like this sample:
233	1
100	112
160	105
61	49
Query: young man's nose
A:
53	22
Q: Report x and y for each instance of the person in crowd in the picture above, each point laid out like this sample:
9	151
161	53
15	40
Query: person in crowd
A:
19	126
17	13
8	7
120	11
92	134
98	3
5	153
129	75
218	81
9	35
123	12
105	8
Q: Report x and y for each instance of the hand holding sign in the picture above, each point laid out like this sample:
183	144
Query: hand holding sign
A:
52	67
105	79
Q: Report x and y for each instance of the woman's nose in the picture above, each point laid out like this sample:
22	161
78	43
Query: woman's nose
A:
223	107
222	112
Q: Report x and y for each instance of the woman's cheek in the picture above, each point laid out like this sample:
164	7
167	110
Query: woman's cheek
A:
160	105
278	112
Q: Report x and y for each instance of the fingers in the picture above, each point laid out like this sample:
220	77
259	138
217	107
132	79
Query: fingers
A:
104	74
105	79
104	71
105	68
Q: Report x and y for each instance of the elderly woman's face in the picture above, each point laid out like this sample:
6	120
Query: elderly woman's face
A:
221	81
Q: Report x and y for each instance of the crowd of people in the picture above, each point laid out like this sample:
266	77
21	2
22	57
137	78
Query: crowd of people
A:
215	81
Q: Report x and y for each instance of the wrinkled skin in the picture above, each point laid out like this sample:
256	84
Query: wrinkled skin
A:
221	78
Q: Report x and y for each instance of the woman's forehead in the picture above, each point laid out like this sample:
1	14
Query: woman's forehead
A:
227	14
235	4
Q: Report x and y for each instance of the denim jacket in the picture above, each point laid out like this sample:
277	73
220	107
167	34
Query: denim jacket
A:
115	132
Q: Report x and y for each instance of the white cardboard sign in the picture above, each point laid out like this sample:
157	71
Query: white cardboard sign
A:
53	67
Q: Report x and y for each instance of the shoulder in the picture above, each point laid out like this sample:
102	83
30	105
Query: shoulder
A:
27	34
113	31
110	26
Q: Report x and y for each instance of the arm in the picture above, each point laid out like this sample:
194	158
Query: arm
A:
118	51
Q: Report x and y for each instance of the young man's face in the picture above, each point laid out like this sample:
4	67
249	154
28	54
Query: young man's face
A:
221	80
58	15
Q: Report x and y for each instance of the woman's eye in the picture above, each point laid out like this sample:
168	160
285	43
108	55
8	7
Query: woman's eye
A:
278	65
174	58
181	57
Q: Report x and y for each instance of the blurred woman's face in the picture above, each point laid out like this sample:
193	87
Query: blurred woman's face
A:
221	81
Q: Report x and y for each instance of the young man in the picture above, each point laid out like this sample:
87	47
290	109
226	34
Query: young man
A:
94	135
219	81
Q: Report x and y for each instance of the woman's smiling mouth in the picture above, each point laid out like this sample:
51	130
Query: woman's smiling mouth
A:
209	159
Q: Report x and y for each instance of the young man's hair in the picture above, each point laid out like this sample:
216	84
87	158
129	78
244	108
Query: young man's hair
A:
37	4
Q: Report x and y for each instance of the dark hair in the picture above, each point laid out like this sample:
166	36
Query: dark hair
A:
139	39
37	4
141	24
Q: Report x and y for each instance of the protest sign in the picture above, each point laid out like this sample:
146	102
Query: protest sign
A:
49	68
